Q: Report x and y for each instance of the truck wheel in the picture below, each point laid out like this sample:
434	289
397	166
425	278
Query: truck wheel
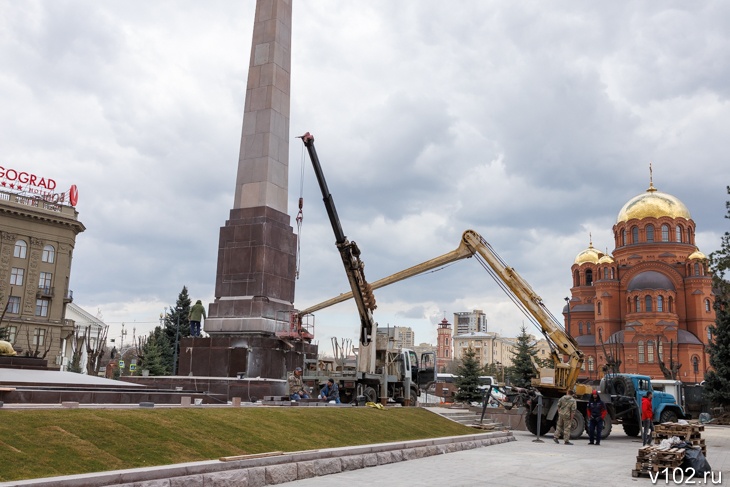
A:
370	394
668	416
632	429
577	426
414	397
531	423
623	386
605	431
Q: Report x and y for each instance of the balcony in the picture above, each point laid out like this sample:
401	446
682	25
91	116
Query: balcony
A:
69	297
44	292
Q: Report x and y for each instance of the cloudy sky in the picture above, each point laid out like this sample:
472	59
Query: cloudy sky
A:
530	122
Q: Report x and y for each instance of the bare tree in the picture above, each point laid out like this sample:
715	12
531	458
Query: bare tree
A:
94	353
612	355
34	350
76	350
672	371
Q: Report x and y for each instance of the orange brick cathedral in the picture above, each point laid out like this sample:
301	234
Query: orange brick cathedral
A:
648	305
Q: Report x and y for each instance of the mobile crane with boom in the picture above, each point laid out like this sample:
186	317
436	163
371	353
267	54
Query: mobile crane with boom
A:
382	372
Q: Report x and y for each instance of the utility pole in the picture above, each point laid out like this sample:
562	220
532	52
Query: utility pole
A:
178	309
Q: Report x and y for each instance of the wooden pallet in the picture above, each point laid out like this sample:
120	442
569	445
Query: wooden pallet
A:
690	433
651	459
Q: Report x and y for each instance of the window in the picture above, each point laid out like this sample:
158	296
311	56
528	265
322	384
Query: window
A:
647	304
580	328
588	327
689	235
589	277
678	233
660	304
599	307
591	364
709	334
650	351
39	336
697	269
665	233
637	304
640	348
623	237
612	275
707	305
44	282
13	306
670	304
11	332
49	254
41	307
634	235
447	354
696	364
650	233
576	279
660	350
20	249
16	276
605	273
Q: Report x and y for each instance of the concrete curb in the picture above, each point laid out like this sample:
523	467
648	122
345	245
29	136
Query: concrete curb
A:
259	472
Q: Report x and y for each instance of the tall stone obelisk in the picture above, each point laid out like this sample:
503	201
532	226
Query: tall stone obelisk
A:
254	287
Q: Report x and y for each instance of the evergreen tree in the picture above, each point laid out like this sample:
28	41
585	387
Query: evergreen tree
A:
717	380
522	370
156	354
181	310
467	380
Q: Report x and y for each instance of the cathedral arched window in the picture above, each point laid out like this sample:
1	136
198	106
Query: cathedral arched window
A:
697	269
591	364
580	328
588	327
623	237
650	351
660	350
647	304
665	233
634	235
695	364
612	274
576	279
650	233
660	304
637	305
670	305
707	305
589	277
599	307
689	235
605	272
678	233
640	349
709	334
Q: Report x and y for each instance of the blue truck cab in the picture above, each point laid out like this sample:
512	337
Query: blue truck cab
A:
664	405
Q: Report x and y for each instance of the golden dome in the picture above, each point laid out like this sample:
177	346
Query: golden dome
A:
654	204
606	259
588	255
697	255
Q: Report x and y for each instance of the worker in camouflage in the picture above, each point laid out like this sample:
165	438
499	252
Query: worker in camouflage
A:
566	411
296	385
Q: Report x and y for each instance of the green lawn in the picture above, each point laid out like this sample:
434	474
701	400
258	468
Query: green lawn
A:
45	443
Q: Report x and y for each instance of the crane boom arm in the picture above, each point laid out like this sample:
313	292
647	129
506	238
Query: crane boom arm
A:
473	244
350	254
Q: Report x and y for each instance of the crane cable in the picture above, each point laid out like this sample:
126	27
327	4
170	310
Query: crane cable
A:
300	215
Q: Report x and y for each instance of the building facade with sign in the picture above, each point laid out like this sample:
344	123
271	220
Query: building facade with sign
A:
648	305
38	232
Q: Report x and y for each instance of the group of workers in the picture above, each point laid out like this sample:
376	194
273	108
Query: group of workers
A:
297	390
596	413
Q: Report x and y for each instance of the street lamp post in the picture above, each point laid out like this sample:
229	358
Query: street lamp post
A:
177	335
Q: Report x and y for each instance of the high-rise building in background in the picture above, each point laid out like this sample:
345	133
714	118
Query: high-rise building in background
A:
404	337
470	321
